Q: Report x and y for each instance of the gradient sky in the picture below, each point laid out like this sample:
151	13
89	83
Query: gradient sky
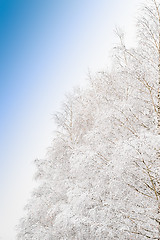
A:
46	48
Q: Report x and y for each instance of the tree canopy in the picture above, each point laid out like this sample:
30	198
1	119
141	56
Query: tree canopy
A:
101	177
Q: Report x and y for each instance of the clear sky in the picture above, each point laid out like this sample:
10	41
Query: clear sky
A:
46	48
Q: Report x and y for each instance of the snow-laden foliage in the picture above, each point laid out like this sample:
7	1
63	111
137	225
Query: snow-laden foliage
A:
101	177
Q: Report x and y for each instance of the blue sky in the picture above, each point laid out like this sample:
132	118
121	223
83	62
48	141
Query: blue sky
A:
46	48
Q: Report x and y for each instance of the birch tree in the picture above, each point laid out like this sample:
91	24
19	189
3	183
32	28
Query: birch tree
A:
101	179
144	64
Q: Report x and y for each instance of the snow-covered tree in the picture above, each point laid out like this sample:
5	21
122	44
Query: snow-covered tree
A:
101	177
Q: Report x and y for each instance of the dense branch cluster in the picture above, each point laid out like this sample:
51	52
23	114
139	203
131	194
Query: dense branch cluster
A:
101	177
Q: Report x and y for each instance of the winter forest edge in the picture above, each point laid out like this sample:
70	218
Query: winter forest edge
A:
101	177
